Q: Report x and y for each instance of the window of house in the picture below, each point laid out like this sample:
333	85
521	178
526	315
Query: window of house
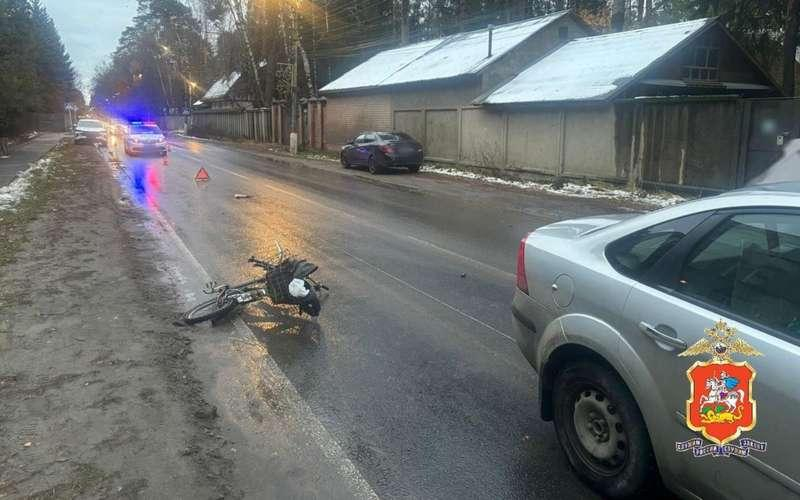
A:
701	63
563	32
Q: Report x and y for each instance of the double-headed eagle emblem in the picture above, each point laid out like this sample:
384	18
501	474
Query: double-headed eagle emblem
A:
720	343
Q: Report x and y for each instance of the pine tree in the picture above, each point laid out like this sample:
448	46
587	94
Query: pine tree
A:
17	72
55	75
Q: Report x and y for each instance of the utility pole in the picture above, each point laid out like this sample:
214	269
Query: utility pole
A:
295	90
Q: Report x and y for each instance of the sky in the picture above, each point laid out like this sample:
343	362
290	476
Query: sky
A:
90	30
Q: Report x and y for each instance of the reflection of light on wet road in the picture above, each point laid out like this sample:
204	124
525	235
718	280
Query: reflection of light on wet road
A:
194	147
144	182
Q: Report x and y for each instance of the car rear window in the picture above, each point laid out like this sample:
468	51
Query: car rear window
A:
146	129
89	123
397	136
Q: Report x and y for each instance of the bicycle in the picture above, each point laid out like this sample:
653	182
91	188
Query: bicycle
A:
286	280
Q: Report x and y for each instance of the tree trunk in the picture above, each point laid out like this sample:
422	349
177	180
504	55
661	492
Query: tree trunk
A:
241	24
617	15
404	18
790	45
649	15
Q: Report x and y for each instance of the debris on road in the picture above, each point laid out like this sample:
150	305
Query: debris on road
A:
27	445
240	196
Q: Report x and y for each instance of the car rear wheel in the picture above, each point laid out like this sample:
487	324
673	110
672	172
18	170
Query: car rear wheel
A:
601	430
373	166
414	168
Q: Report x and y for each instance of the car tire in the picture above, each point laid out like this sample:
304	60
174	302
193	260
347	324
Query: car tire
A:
344	162
593	407
414	169
373	167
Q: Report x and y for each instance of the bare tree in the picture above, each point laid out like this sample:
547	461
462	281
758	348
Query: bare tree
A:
404	20
241	24
617	15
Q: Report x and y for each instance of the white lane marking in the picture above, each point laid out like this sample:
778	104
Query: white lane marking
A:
230	172
426	294
327	443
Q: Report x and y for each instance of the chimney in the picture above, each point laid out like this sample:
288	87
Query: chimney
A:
491	28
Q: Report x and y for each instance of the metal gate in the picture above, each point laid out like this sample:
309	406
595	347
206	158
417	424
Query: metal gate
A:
772	123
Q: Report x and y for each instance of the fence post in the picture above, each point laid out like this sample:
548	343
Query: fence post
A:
743	134
562	139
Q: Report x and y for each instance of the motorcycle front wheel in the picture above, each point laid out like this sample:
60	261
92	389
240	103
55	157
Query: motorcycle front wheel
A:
209	310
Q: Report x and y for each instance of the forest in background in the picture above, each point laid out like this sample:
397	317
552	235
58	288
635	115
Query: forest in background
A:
173	50
36	74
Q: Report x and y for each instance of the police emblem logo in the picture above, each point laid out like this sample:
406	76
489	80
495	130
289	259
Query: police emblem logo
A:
721	403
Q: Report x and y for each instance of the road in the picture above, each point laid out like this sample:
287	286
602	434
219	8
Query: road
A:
410	368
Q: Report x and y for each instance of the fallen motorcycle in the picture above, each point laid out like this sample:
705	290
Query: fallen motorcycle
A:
286	281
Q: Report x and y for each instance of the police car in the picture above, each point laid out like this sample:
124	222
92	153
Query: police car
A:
144	138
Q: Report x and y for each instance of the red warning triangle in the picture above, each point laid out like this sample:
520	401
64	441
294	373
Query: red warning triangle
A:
201	175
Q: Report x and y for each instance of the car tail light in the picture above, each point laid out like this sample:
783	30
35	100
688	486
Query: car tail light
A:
522	280
387	149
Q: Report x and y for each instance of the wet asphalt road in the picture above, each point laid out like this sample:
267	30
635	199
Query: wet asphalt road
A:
410	367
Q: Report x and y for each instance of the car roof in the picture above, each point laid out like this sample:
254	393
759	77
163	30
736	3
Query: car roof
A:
772	187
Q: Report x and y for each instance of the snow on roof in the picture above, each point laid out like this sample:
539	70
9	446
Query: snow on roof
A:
221	87
454	55
593	68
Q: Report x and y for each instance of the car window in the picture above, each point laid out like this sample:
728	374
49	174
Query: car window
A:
361	139
145	129
637	253
750	265
89	123
395	137
371	138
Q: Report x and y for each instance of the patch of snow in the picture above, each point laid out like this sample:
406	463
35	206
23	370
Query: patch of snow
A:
11	194
594	67
567	189
447	57
320	157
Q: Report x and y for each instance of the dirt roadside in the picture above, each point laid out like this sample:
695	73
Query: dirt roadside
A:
97	396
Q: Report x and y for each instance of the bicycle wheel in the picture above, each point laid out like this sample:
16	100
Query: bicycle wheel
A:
209	310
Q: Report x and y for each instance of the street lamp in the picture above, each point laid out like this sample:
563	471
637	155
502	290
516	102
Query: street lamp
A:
192	85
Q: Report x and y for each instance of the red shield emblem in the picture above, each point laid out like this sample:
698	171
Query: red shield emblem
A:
721	404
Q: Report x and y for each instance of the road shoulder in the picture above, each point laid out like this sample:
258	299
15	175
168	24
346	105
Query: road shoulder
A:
97	387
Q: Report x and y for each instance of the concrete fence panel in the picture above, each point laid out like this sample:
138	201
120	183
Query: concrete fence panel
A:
483	137
588	135
410	122
534	140
441	133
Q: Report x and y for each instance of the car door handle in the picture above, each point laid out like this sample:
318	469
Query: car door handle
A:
659	336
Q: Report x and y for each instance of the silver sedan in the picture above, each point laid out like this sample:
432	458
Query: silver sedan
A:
603	308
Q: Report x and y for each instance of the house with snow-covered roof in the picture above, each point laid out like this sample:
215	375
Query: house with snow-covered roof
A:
420	88
662	104
657	103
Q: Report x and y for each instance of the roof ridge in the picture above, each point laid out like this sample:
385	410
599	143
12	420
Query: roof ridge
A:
638	30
